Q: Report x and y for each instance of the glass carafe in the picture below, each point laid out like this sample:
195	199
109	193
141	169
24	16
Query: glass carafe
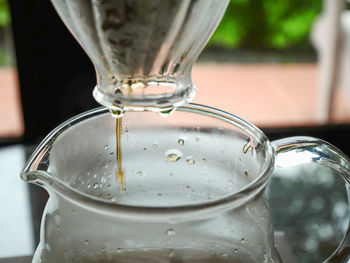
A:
194	185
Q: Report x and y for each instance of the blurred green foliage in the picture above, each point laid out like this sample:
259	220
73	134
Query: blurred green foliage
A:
267	24
5	19
4	13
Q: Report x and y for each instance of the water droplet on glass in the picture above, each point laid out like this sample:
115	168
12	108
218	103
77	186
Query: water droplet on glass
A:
159	194
170	232
88	186
189	160
86	242
236	250
154	146
242	240
248	145
139	173
103	179
171	253
224	255
197	139
105	196
106	147
246	173
119	250
111	153
95	185
94	176
173	155
166	113
181	141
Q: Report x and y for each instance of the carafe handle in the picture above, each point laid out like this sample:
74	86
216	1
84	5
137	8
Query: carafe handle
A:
294	151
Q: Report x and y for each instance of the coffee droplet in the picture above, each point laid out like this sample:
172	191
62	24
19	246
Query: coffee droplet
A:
170	232
181	141
116	113
173	155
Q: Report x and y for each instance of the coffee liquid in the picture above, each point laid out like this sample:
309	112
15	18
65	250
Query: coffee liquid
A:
120	173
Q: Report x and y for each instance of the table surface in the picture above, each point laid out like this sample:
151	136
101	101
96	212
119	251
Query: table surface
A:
16	260
308	204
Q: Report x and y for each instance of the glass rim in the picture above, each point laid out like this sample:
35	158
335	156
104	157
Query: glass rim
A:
49	181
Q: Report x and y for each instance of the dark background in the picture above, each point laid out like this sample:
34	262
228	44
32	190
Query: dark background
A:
56	78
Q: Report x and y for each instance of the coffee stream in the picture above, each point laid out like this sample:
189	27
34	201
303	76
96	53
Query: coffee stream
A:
120	173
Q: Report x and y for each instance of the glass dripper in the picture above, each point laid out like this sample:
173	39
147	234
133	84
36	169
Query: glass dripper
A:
142	50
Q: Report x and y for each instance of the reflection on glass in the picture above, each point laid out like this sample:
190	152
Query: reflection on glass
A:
310	206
